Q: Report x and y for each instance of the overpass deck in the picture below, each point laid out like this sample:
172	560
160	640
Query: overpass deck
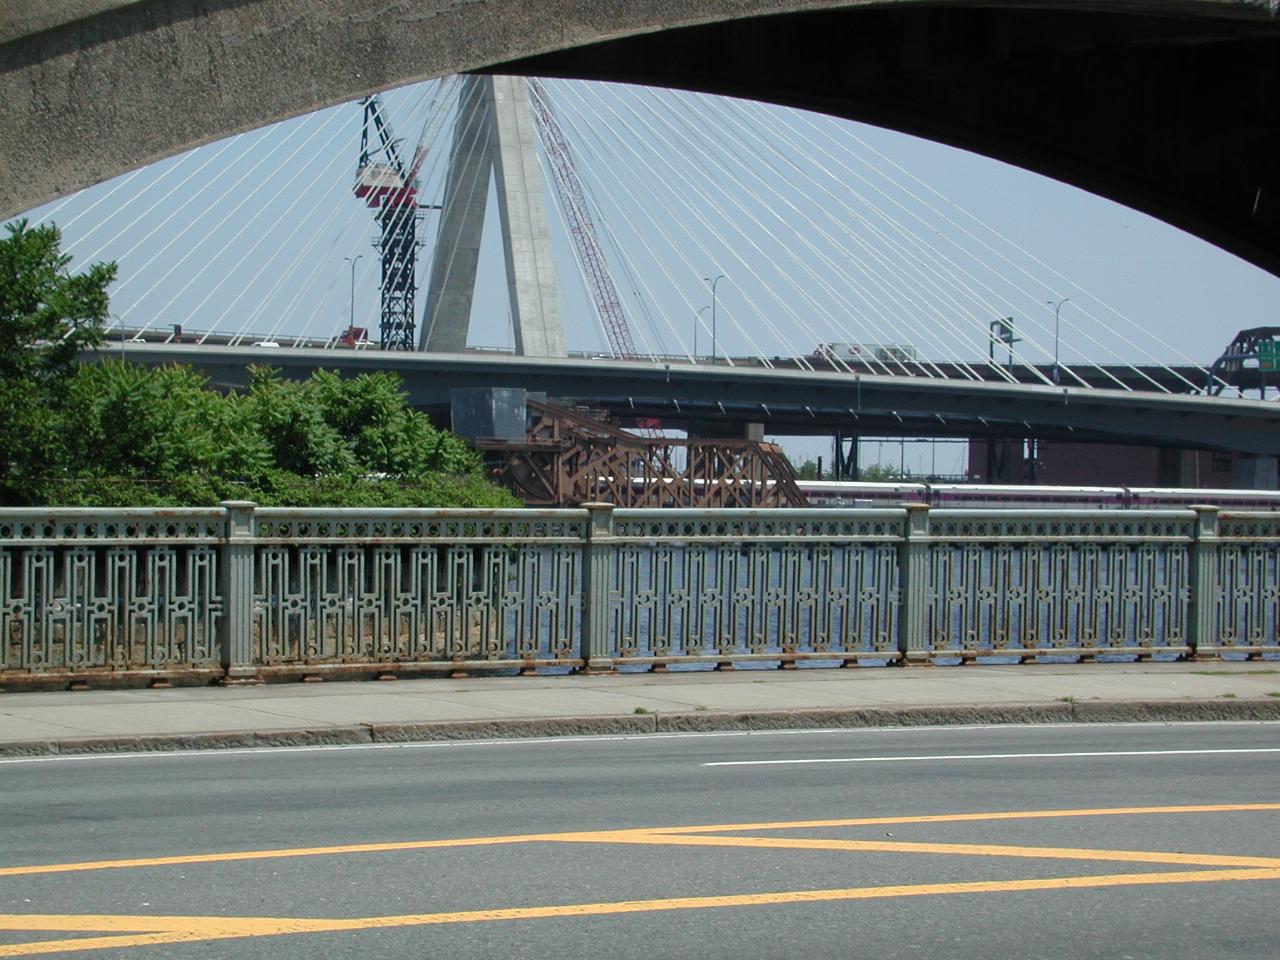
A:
786	400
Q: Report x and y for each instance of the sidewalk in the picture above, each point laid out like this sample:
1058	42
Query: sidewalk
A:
477	708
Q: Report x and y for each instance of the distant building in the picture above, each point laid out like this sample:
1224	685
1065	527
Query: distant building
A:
1063	463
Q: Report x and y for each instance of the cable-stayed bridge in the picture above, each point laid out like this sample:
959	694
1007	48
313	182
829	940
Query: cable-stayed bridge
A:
722	400
698	261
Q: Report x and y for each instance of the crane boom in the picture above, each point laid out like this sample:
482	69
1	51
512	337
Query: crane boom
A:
582	228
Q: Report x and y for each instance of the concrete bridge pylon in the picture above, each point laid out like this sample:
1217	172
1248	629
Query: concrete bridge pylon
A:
494	135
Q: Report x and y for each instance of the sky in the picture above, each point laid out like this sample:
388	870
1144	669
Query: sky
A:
825	231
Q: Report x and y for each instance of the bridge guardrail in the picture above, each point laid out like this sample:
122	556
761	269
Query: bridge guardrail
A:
240	593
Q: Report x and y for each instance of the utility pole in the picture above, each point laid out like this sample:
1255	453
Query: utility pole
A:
696	318
1001	332
1057	315
719	277
352	321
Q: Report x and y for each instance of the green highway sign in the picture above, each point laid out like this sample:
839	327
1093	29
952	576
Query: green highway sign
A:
1268	354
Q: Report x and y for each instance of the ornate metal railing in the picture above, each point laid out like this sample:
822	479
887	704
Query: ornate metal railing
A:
1051	583
241	593
92	591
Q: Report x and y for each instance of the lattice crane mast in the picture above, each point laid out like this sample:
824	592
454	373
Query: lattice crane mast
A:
391	190
582	228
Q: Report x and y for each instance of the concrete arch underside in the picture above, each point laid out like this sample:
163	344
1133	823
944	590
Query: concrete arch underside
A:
1171	107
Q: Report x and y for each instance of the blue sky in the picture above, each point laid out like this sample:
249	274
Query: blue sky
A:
825	230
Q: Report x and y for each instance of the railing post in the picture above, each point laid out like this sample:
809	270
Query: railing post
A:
235	583
913	586
1203	604
597	561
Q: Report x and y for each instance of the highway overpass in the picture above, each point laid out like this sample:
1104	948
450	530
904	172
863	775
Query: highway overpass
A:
783	400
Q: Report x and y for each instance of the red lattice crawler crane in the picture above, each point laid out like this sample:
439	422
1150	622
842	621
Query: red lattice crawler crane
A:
392	191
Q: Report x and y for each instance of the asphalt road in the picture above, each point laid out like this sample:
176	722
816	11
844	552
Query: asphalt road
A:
1089	841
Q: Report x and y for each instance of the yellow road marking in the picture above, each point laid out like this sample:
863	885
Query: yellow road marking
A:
613	836
269	854
971	817
192	929
949	849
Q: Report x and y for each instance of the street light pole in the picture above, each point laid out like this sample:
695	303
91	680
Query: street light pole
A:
719	277
352	321
696	317
1057	314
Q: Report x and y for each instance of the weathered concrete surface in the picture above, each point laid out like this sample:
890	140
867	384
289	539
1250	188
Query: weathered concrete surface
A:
1169	106
451	289
104	87
522	212
494	134
98	721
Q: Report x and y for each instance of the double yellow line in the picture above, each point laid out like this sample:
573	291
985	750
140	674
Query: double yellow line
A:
136	931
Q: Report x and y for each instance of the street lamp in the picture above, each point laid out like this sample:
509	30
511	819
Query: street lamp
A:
719	277
352	260
696	317
1057	314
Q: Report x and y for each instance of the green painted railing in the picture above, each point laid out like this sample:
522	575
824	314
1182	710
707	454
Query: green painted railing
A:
240	593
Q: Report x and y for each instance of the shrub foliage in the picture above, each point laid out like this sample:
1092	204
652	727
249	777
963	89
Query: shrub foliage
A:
118	434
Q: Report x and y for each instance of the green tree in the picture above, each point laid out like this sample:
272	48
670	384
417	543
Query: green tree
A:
115	434
882	473
133	436
47	316
386	435
294	426
808	470
159	426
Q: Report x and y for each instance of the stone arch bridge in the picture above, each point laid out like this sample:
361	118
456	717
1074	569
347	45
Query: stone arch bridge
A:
1171	107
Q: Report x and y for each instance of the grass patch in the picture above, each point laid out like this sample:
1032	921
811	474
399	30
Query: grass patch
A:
641	710
1228	696
1067	699
1273	693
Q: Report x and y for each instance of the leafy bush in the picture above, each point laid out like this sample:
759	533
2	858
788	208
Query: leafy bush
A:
133	436
118	434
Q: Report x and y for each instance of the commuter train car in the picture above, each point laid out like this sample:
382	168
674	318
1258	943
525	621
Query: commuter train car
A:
1227	499
833	493
986	495
851	493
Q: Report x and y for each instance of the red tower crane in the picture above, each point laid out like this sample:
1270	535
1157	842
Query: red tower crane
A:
392	191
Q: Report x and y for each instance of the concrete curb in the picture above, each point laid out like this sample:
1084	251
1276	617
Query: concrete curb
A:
865	717
512	729
700	721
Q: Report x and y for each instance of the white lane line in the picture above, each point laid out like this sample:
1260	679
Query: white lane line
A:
990	756
213	752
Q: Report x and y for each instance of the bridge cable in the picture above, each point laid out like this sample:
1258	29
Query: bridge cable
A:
644	209
225	218
757	149
585	210
680	175
1056	273
788	248
1042	348
944	277
1047	288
